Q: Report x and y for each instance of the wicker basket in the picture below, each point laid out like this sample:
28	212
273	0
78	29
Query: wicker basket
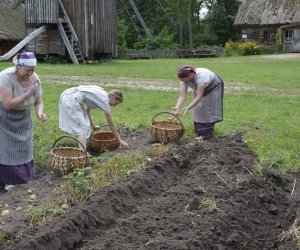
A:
101	141
167	130
63	160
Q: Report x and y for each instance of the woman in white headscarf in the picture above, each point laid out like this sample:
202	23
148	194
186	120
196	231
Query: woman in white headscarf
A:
20	88
75	108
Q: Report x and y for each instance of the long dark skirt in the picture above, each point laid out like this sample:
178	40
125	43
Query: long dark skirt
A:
17	174
204	129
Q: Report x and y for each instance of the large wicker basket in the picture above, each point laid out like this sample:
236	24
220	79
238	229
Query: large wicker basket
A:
101	141
63	160
165	131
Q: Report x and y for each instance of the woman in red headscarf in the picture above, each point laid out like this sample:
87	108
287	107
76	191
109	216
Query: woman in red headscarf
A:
207	103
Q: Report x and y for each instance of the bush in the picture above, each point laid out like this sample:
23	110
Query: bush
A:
54	59
231	48
163	40
249	47
279	38
243	48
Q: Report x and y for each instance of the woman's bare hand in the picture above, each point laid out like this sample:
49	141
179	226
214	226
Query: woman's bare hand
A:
32	89
42	117
175	110
124	144
97	127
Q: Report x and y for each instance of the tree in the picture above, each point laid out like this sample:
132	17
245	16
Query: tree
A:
179	20
220	19
190	23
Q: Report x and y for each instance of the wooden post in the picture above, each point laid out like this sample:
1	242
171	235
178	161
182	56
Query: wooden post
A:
21	44
141	20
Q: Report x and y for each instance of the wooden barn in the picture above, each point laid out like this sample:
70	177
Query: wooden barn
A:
10	36
259	20
78	29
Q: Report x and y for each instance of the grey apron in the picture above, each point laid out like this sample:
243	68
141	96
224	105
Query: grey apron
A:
16	133
210	108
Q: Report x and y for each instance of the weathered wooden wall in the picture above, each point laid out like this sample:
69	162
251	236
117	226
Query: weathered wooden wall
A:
41	11
95	24
49	42
257	33
93	20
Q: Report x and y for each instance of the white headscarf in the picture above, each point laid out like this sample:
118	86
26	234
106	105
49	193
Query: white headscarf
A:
25	59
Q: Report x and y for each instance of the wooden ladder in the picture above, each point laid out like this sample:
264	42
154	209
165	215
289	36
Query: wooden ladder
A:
69	36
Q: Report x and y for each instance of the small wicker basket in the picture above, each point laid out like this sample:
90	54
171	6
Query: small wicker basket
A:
101	141
167	130
63	160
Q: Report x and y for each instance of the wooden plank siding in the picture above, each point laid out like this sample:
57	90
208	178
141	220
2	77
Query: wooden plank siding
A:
41	11
49	42
95	23
257	33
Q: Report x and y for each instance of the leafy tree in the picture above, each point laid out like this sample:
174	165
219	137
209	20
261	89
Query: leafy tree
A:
122	31
176	22
220	19
162	41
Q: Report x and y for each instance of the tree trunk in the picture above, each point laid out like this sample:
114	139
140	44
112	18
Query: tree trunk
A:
180	24
190	23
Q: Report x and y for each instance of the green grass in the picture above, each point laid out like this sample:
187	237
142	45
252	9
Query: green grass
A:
269	124
257	70
268	114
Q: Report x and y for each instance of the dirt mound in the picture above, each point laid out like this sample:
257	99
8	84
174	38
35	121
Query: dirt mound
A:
200	195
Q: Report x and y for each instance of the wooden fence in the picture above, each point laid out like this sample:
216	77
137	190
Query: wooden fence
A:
168	53
145	54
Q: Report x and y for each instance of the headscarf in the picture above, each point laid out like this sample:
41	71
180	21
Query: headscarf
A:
25	59
185	71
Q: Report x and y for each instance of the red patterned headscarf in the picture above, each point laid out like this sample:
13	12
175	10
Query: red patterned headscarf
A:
185	71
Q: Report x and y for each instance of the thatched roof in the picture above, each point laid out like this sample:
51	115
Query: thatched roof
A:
12	21
268	12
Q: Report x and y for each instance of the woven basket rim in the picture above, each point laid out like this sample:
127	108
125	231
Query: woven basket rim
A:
102	140
70	157
166	128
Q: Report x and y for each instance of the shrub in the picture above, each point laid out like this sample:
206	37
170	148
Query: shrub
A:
249	47
54	59
231	48
279	37
243	48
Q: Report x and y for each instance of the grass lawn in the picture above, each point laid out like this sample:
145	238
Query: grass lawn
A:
266	112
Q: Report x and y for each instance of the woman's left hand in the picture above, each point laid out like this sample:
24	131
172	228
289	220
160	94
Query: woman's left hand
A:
97	127
185	110
124	144
42	117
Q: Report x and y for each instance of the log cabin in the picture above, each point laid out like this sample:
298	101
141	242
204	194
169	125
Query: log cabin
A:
260	20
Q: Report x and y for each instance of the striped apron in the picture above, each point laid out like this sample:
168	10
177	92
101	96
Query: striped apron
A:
16	147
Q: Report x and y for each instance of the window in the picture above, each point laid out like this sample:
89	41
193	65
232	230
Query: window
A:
288	35
269	35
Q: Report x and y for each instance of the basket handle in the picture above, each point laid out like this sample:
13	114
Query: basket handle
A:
64	136
164	112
